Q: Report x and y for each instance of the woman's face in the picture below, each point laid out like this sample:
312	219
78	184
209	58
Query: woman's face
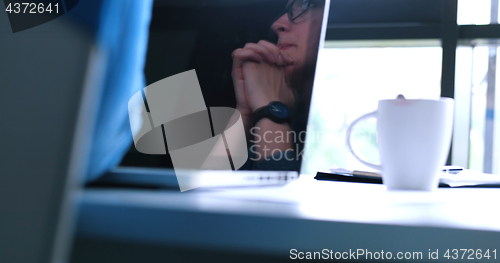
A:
300	38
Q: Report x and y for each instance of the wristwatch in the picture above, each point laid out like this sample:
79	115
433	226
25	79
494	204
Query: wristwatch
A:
275	111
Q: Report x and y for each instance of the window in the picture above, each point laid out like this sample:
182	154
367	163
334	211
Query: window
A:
350	82
368	44
477	12
477	70
477	130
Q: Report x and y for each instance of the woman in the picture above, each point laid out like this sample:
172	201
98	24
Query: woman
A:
271	79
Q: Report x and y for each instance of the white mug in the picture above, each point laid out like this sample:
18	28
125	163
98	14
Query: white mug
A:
413	138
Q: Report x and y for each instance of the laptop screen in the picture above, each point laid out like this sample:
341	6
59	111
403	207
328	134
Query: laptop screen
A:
258	57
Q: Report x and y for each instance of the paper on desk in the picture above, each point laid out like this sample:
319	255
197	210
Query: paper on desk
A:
468	177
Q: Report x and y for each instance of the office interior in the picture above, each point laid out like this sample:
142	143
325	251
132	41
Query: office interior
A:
50	79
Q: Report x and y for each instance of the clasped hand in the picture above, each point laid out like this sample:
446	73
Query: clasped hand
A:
259	77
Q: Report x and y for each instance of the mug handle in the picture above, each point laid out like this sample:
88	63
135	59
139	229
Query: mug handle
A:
348	140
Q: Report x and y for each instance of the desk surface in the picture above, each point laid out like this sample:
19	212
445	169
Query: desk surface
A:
307	215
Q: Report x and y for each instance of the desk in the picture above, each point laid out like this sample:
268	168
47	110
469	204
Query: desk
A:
306	215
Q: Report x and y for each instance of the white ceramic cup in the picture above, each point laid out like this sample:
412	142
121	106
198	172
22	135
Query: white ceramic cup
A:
413	138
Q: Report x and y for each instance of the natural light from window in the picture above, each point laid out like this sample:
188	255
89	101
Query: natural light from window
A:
475	12
350	82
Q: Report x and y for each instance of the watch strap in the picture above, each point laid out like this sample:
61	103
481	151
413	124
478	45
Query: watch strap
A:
265	112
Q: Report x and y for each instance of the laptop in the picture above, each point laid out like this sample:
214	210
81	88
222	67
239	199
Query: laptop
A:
183	179
44	110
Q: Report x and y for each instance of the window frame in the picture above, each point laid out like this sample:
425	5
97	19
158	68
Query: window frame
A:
421	27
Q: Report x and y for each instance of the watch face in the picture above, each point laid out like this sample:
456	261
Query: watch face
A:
278	109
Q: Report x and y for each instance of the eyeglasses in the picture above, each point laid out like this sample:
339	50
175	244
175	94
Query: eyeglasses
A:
298	7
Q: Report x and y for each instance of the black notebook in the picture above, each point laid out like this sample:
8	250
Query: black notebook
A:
465	178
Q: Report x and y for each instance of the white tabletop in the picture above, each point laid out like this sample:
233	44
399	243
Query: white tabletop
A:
306	214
